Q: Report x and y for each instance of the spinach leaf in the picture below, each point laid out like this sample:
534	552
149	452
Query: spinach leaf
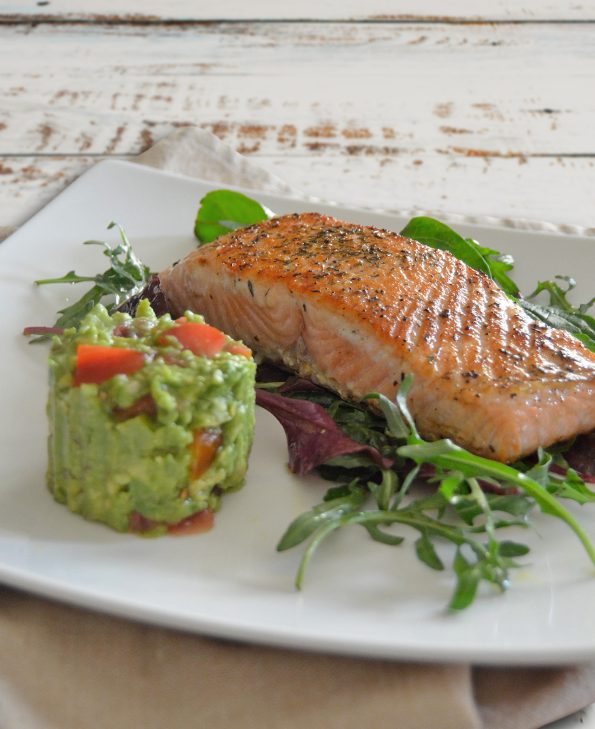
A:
435	234
222	211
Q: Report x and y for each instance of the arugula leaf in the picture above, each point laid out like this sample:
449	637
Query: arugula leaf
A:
426	552
448	456
126	277
306	524
560	313
222	211
436	234
559	296
459	510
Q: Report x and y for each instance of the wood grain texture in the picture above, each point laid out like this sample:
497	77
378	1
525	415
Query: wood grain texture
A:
502	188
488	91
157	10
490	119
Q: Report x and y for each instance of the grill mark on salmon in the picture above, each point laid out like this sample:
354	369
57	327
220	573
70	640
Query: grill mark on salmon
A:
356	308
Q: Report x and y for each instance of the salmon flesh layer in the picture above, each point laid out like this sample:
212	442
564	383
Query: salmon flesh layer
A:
356	308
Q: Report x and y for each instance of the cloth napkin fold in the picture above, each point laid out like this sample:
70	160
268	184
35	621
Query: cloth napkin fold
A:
66	668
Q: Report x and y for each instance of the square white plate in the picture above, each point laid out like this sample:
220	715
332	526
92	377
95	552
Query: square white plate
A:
359	597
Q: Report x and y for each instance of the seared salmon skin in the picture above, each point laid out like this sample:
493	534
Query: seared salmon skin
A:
355	308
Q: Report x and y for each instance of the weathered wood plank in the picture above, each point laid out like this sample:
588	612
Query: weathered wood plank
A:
556	190
302	89
157	10
28	183
480	119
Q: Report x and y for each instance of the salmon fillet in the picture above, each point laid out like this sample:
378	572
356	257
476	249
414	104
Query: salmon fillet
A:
356	308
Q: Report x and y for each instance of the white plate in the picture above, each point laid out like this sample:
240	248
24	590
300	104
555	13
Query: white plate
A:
360	597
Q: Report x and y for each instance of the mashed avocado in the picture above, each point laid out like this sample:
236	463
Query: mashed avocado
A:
145	438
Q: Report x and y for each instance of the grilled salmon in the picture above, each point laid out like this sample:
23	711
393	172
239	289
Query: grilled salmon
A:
356	308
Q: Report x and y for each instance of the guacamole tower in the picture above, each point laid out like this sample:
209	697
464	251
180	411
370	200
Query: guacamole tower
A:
151	420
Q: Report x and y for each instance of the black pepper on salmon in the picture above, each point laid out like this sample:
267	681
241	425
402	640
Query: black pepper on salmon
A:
356	308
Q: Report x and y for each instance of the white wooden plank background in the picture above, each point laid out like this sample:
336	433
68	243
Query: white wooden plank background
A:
489	119
157	10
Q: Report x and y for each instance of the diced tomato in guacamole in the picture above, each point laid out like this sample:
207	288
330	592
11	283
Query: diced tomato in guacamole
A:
151	420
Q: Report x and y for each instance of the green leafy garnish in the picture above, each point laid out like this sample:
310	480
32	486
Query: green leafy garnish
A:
460	510
435	234
222	211
560	313
125	277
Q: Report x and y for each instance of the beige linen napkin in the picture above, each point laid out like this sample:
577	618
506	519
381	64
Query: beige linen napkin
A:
66	668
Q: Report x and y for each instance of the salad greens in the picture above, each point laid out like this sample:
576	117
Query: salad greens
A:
127	276
374	455
221	211
560	313
472	498
438	235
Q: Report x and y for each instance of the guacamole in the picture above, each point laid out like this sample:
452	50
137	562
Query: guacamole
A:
151	420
